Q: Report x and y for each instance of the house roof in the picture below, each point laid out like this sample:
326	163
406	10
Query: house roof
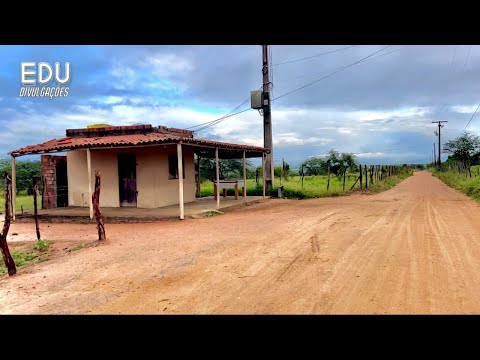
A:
137	136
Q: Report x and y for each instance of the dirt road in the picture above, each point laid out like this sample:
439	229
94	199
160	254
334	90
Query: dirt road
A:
412	249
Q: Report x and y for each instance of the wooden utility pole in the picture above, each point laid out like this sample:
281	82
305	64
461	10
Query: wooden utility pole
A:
439	162
267	121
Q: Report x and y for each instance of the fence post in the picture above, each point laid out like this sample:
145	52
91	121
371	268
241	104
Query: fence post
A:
328	182
361	171
35	207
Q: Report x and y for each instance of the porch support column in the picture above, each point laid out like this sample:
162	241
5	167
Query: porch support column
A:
244	178
263	173
199	190
90	192
14	187
180	181
217	174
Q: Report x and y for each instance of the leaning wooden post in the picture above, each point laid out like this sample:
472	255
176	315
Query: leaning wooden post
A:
7	257
35	207
361	173
14	187
96	205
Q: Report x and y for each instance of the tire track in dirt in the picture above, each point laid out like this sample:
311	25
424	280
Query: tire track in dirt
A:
412	249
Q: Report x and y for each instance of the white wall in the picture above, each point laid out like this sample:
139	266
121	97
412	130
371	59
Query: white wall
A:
154	187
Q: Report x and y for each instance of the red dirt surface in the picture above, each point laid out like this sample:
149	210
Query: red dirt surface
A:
412	249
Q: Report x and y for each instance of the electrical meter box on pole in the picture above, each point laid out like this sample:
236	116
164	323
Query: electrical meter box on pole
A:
256	99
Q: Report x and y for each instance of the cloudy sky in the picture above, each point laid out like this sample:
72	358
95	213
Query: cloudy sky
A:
379	108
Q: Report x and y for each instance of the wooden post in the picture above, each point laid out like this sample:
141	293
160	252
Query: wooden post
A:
263	173
35	207
303	175
361	176
96	205
244	192
199	193
180	180
328	181
217	177
14	187
7	257
89	174
355	183
344	172
366	176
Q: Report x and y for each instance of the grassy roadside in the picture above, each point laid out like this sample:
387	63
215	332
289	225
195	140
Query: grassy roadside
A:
388	183
316	186
25	254
465	184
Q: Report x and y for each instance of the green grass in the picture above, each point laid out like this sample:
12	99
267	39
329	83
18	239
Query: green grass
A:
22	201
465	184
313	186
20	258
76	247
42	245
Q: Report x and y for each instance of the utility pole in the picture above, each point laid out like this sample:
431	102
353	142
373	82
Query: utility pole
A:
267	120
439	162
434	156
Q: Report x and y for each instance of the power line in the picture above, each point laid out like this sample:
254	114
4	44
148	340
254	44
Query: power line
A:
210	123
473	115
313	56
339	67
215	122
224	116
468	56
444	106
327	76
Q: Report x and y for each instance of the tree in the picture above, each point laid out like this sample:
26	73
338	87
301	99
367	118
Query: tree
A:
282	170
25	171
228	168
338	163
333	161
465	148
314	166
348	161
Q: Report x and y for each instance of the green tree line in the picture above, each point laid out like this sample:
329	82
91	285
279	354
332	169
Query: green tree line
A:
25	170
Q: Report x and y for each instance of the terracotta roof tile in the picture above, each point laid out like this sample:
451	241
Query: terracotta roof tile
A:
72	143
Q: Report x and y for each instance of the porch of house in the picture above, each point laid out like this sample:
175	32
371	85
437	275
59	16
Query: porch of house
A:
133	214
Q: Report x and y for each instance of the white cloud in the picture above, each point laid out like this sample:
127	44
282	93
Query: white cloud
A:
165	65
368	115
464	109
298	140
108	100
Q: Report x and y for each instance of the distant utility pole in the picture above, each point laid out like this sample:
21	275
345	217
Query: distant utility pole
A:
439	162
434	156
267	120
